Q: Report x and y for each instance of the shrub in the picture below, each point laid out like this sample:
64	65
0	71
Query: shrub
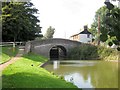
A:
90	52
83	52
107	53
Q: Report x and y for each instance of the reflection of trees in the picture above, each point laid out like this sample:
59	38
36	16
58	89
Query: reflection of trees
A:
85	75
106	76
85	72
103	74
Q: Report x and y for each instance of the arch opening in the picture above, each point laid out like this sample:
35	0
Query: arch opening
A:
57	53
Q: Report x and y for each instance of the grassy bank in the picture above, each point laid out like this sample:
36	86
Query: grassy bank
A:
27	73
90	52
7	53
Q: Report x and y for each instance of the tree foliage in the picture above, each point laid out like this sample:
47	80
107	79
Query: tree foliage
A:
102	14
109	25
49	33
19	22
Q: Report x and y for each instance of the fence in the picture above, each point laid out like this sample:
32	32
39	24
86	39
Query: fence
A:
11	43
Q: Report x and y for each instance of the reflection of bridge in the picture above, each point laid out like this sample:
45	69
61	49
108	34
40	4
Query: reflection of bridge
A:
53	48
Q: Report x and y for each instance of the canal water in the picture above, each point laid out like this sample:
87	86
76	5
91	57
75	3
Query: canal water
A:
86	74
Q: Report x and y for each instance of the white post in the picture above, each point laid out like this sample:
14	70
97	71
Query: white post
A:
56	64
13	46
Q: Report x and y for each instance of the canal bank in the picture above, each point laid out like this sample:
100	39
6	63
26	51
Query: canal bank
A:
27	73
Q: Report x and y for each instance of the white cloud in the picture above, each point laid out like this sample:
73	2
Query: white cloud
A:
66	15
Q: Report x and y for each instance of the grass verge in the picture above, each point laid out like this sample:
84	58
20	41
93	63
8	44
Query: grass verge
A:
7	53
27	73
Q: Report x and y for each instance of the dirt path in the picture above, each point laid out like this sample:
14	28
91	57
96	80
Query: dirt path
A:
12	60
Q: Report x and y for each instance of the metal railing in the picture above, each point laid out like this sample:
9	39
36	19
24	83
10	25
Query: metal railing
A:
11	43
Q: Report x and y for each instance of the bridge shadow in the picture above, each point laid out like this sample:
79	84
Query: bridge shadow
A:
57	52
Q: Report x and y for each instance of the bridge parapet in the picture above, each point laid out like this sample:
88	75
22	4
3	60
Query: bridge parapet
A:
54	40
43	47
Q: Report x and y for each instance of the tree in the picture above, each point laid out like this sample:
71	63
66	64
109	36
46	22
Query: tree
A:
113	24
109	25
49	33
102	14
19	22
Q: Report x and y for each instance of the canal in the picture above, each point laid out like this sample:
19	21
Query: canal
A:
86	74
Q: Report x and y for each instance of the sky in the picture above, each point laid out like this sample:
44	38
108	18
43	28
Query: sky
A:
67	16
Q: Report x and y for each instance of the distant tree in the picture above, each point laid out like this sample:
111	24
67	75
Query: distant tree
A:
49	33
19	22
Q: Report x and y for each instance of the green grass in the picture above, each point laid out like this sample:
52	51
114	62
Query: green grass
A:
7	53
27	73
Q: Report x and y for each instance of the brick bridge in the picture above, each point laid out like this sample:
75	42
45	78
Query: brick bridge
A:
55	48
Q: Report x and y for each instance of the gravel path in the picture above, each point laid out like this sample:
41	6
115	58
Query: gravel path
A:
12	60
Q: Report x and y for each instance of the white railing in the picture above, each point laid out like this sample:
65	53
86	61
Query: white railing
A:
11	43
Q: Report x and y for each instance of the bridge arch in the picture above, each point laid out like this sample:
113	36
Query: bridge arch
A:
45	47
57	52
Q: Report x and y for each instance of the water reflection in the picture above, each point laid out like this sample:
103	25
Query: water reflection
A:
76	78
87	74
56	64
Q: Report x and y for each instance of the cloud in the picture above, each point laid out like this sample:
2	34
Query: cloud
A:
66	16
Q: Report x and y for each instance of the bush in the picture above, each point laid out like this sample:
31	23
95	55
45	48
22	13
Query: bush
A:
107	53
83	52
90	52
